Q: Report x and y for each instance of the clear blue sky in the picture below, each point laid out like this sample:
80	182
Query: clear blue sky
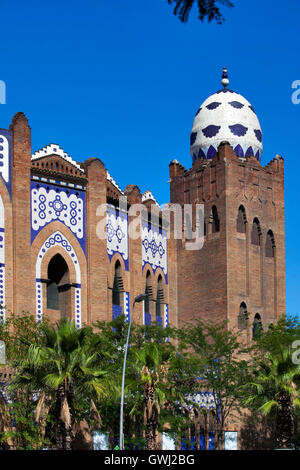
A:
122	79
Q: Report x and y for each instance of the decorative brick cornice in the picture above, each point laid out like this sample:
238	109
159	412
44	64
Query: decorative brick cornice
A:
54	149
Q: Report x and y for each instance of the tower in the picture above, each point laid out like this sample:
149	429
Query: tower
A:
239	274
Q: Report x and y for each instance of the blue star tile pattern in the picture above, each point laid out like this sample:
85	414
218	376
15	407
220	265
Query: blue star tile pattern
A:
50	202
193	137
58	205
6	157
204	400
225	116
57	238
154	248
2	262
238	130
236	104
213	105
117	233
211	131
258	134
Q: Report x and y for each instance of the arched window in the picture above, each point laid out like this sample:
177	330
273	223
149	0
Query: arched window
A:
159	301
257	326
270	245
58	286
243	316
215	220
256	232
117	286
241	220
147	302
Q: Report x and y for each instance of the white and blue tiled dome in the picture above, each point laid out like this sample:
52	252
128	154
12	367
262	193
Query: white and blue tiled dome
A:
226	116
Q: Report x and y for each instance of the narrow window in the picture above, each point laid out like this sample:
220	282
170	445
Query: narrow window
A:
257	326
243	316
270	245
159	301
241	220
117	286
215	220
147	303
256	233
58	286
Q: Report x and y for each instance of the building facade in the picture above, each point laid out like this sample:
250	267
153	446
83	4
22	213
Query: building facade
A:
54	211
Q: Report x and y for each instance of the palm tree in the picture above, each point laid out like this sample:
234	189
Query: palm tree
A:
275	390
206	9
149	365
67	368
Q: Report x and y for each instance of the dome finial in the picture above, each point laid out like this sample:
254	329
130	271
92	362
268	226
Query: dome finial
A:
225	81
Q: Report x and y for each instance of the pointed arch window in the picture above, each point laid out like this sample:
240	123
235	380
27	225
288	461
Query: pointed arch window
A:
243	316
58	286
256	233
241	220
270	245
257	326
159	301
118	289
147	302
215	220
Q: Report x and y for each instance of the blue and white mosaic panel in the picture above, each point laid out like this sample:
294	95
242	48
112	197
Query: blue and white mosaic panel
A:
201	400
48	203
2	263
58	239
127	306
5	157
166	315
154	248
117	233
2	293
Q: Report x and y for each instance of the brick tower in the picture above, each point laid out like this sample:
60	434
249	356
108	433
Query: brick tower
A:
239	274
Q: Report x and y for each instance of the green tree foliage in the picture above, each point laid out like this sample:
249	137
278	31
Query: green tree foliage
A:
220	367
156	382
280	334
67	372
273	390
154	385
66	376
18	429
19	332
207	9
17	426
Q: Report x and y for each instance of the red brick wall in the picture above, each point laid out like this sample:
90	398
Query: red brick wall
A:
212	282
209	283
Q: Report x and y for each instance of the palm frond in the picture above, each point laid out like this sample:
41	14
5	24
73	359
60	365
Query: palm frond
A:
266	407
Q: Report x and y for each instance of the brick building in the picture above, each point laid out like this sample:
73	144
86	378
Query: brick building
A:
55	261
